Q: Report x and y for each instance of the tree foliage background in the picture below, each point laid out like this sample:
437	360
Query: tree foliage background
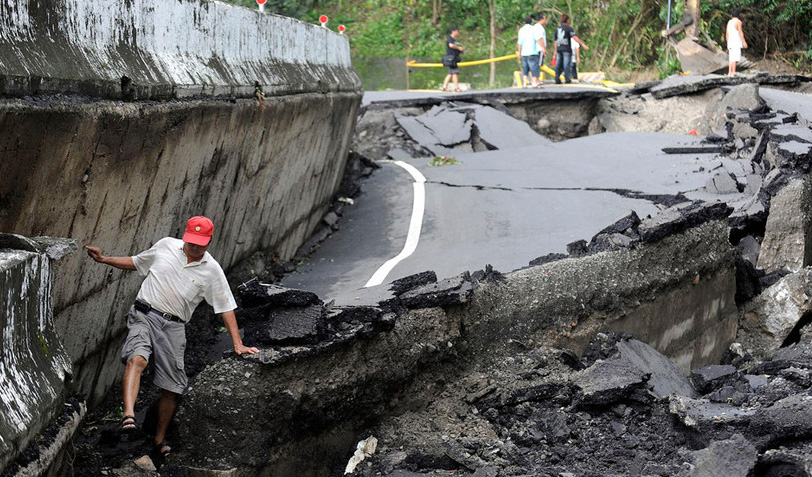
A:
623	35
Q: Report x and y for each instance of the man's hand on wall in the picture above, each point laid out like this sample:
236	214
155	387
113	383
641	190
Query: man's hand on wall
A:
95	253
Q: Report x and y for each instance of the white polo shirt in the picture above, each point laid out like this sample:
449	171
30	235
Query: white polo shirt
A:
539	33
173	286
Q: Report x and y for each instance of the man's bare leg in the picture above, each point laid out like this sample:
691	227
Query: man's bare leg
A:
166	409
132	383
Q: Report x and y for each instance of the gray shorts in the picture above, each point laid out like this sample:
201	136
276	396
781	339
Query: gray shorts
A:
164	342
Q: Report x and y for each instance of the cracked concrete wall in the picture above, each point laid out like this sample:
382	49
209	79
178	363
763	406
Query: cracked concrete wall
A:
33	363
121	175
159	49
676	294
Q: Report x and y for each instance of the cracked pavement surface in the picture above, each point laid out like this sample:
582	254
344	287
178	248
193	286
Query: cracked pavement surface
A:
509	205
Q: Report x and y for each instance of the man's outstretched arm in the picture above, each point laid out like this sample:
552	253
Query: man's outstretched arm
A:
230	320
124	263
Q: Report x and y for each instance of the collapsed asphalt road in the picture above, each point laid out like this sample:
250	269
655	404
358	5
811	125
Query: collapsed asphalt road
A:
461	376
526	198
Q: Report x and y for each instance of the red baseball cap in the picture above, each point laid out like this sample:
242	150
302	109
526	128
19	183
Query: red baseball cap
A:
198	231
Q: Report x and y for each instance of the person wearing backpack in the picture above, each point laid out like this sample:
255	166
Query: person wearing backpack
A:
564	36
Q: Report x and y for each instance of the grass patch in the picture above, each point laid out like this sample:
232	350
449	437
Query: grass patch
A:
439	161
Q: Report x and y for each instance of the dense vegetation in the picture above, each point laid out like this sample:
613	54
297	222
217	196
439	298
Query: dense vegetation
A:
623	35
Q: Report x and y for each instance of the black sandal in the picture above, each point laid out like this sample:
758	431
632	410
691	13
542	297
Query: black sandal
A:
159	454
163	449
127	425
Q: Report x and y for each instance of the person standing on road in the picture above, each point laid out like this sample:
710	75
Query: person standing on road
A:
452	51
179	274
734	37
564	36
541	37
576	58
527	49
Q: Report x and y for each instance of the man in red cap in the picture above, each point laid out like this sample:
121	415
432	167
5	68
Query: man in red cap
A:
179	275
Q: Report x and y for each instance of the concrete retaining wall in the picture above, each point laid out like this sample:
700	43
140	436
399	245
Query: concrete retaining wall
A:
121	175
33	363
159	49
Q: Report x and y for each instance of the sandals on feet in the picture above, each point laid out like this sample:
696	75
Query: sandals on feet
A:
159	454
127	425
163	449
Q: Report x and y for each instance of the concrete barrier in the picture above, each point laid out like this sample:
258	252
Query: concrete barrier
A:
33	363
79	163
158	49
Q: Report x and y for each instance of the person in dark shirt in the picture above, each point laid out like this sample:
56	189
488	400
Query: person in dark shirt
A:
564	36
453	51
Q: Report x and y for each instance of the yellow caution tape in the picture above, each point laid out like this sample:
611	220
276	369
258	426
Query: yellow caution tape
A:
415	64
596	78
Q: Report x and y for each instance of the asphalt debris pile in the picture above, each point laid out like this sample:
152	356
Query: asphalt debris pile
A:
290	324
622	409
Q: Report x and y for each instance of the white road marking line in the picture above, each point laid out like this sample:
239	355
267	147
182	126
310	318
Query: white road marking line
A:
416	223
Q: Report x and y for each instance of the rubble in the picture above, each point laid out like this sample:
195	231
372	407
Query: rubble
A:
787	243
769	319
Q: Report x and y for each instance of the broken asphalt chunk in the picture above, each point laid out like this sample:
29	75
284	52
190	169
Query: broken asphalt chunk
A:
255	293
451	291
287	326
735	456
608	382
787	240
789	418
703	415
665	378
681	217
405	284
773	315
702	149
713	377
